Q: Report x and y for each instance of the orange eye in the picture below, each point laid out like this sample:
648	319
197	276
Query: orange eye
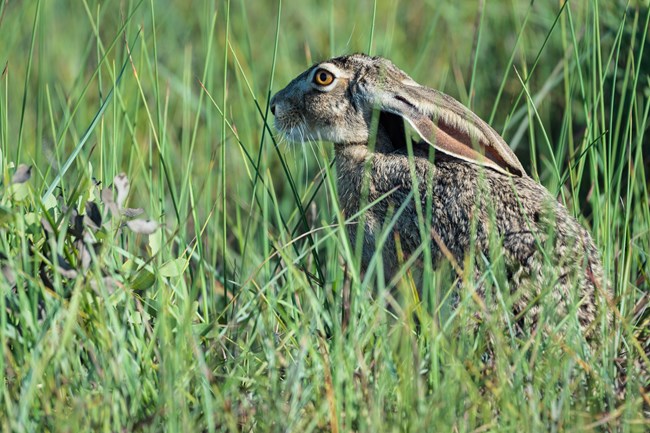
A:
323	77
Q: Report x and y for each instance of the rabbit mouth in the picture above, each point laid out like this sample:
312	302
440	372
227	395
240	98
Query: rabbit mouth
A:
296	132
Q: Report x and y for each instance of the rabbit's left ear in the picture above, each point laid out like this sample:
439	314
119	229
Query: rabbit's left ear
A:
448	125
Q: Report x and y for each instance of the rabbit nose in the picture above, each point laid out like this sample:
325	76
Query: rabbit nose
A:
273	105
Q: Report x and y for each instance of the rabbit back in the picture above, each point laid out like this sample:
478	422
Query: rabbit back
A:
547	253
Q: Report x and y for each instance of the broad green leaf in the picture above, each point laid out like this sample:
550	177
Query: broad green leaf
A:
173	268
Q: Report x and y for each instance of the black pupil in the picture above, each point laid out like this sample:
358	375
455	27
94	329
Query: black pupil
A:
322	77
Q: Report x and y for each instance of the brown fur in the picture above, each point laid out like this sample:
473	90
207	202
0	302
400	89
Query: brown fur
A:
545	250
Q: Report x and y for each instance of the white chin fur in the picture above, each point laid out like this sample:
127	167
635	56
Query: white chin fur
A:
298	135
302	134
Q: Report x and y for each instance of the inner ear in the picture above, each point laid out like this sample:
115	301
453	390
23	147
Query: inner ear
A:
463	140
393	126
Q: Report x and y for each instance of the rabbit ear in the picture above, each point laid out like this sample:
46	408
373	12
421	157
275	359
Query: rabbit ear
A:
448	125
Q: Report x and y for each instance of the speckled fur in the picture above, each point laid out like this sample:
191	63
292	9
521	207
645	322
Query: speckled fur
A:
461	192
546	251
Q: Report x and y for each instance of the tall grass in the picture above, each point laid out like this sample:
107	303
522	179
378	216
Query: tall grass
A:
245	310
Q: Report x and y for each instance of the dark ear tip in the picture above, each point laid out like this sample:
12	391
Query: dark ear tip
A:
510	169
516	169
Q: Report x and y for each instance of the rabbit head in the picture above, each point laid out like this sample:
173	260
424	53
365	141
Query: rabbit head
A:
335	101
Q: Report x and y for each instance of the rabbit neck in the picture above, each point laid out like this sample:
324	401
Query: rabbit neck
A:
359	153
351	164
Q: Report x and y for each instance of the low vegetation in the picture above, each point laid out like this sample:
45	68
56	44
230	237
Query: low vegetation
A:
168	264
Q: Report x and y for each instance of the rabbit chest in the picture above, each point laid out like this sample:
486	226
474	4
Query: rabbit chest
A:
386	196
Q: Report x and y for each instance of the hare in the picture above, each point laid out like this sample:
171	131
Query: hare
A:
474	184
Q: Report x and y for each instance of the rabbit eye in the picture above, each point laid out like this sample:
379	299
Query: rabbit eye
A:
323	77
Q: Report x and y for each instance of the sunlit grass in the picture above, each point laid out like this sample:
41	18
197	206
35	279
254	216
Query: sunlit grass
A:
243	307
